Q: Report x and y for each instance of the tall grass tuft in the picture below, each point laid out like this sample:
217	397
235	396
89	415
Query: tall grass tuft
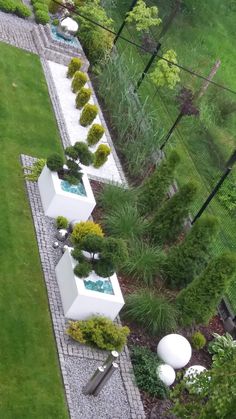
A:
155	313
145	262
112	196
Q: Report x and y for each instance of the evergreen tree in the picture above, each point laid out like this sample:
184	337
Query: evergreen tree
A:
197	303
152	193
168	222
186	260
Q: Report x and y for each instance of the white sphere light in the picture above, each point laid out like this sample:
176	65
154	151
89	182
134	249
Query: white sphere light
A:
174	350
191	374
166	374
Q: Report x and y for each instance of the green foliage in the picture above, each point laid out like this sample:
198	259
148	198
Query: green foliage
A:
82	269
62	222
143	17
198	302
145	364
89	113
85	156
55	22
40	6
79	80
113	196
8	6
99	332
92	244
144	262
227	195
55	162
168	222
156	314
96	41
101	155
82	229
104	268
42	17
22	10
125	222
164	73
53	9
82	97
77	254
198	340
186	260
74	65
95	134
221	347
153	191
35	170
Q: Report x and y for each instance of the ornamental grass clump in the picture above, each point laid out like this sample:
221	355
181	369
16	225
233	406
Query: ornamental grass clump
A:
95	134
82	229
156	314
101	155
99	332
82	97
74	65
113	195
79	80
88	115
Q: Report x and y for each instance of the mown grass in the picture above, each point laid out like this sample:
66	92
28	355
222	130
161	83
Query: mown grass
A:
200	34
31	384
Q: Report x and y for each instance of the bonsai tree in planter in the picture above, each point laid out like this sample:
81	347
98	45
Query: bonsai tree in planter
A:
103	255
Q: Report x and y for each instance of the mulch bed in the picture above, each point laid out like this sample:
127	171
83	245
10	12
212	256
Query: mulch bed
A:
156	408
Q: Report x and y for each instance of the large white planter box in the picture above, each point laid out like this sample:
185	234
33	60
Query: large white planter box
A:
56	202
78	302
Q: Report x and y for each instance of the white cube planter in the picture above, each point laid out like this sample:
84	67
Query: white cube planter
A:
80	303
56	202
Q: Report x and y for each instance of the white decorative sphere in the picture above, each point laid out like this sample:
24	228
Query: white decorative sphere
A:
166	374
69	25
174	350
191	374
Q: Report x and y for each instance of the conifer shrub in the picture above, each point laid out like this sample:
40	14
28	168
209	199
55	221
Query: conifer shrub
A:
74	65
156	314
84	154
88	115
101	155
8	6
198	302
42	17
40	6
79	80
55	162
22	10
95	134
198	340
61	222
99	332
82	97
82	269
82	229
186	260
168	222
152	193
104	268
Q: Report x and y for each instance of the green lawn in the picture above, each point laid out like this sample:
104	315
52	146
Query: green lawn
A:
30	383
200	35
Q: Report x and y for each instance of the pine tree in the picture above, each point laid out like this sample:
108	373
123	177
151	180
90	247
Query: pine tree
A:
186	260
198	302
152	193
168	222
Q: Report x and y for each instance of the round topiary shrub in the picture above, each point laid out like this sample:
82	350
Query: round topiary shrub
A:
78	81
74	65
8	6
55	22
40	6
82	97
89	113
101	155
85	156
55	162
198	340
83	269
61	222
82	229
22	10
95	134
42	17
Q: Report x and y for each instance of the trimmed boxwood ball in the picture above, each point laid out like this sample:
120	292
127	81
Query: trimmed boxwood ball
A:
82	97
61	222
101	155
83	269
89	113
79	80
95	134
55	162
22	10
74	65
42	17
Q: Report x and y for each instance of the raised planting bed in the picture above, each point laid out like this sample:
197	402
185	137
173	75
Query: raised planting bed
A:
85	297
60	198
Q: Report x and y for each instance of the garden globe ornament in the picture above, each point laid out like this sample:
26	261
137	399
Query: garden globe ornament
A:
174	350
62	234
191	374
166	373
67	28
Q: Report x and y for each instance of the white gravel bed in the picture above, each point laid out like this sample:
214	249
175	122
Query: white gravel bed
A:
109	171
111	403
